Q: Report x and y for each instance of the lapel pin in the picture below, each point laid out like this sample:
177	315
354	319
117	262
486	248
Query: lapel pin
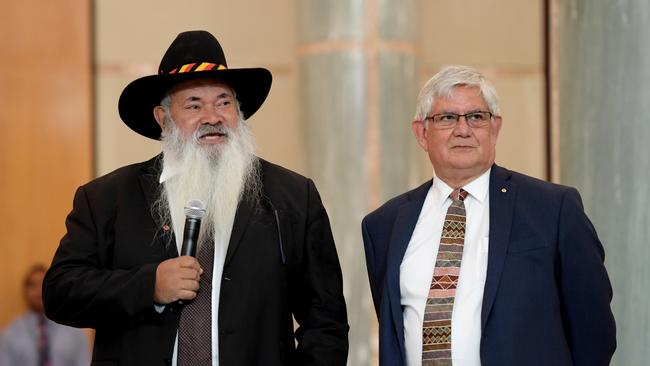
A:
165	228
504	190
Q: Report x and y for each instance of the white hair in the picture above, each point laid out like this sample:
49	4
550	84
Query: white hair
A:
443	83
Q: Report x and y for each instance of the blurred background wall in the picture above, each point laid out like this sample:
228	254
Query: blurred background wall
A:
346	74
46	144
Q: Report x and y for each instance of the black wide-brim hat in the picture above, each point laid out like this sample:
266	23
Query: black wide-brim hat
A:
192	55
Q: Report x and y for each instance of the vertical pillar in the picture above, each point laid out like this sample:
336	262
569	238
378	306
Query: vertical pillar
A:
357	94
603	65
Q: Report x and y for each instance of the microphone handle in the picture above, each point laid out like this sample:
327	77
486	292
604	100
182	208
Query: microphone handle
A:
190	236
190	240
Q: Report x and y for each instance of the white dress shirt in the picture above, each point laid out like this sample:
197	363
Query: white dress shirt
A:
418	263
170	169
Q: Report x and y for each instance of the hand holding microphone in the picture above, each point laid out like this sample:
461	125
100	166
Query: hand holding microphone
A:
178	278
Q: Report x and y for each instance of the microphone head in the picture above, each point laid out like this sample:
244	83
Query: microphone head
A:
194	209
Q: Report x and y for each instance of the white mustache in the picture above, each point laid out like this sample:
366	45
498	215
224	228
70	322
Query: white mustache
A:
207	129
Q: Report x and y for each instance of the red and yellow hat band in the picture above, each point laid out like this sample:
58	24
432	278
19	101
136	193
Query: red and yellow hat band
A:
203	66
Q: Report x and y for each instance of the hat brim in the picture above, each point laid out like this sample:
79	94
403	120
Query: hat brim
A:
141	96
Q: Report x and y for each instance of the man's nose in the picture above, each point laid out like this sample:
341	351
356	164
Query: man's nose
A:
211	116
462	128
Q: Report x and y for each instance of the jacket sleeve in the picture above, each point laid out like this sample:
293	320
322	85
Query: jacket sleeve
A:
370	264
586	291
82	288
317	302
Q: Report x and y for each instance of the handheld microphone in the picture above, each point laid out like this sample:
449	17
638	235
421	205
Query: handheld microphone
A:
194	211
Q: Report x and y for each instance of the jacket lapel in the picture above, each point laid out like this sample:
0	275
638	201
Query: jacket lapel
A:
149	181
242	217
502	202
150	188
403	227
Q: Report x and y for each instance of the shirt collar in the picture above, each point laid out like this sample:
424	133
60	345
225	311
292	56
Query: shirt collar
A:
171	167
478	188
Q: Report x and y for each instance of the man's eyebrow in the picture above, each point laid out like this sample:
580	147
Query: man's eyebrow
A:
224	95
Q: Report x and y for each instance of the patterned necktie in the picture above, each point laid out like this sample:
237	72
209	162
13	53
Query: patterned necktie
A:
436	330
195	329
43	344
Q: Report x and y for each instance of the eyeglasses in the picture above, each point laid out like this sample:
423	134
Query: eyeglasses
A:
448	120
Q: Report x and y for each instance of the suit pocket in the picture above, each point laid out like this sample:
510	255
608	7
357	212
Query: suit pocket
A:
526	245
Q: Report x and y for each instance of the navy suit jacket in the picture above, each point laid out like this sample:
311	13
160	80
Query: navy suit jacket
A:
547	295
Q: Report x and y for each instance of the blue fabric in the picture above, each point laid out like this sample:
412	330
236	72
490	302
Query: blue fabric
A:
547	294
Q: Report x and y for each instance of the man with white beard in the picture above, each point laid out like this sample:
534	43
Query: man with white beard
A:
265	241
216	173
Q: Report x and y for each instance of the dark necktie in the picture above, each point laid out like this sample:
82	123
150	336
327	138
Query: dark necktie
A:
43	343
436	330
195	329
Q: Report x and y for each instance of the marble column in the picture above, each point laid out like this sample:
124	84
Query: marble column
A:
603	109
357	94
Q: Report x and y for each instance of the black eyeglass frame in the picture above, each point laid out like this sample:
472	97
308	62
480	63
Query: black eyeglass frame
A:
473	123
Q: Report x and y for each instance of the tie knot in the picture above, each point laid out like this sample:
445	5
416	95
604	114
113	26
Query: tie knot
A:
458	194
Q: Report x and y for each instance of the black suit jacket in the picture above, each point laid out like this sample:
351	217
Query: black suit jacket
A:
547	295
103	274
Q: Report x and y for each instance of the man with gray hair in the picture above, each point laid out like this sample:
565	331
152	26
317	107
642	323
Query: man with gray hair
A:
265	257
482	265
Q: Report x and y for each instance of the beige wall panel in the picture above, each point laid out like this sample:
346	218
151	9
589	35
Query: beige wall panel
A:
45	150
278	132
490	32
252	32
522	140
116	144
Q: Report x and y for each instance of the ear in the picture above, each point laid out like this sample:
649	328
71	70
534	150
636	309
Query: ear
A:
159	115
419	129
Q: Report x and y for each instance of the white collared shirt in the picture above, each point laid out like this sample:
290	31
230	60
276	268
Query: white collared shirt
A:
419	260
170	169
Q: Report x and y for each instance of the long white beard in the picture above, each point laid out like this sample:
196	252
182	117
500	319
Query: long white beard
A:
219	175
